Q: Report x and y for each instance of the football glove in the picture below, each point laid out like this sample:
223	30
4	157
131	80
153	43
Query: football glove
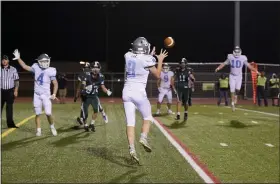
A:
16	54
53	97
109	92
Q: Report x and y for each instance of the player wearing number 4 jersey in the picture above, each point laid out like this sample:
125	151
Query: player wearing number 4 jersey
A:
44	75
139	63
236	62
165	86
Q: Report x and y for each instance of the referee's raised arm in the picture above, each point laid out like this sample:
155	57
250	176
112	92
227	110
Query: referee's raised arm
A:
9	89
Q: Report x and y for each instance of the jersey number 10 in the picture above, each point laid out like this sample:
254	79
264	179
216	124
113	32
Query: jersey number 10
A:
235	64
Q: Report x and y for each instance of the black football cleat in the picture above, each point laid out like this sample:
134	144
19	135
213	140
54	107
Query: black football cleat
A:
186	116
86	127
177	117
80	121
92	127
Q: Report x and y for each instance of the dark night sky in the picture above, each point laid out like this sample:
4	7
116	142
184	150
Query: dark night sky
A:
203	31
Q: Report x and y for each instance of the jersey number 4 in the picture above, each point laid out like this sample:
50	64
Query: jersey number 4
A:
235	64
131	69
40	78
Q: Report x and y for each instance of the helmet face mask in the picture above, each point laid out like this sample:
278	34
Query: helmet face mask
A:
237	51
44	61
183	63
141	46
165	68
95	67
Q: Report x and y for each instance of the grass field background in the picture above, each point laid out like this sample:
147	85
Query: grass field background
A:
85	157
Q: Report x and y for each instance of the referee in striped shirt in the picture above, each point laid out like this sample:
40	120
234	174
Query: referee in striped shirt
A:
9	89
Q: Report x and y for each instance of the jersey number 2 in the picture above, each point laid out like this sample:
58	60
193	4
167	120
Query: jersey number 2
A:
235	64
40	78
131	69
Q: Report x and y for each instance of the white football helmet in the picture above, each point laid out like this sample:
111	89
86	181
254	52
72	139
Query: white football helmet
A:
237	51
141	46
165	67
44	61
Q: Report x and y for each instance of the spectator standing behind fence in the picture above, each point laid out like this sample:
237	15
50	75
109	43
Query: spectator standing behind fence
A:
274	89
9	89
191	86
62	87
261	88
223	86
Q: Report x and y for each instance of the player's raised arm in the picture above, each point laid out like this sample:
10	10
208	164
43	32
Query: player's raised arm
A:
156	71
22	64
158	83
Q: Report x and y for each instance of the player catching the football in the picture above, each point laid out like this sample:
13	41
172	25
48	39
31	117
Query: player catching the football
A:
139	63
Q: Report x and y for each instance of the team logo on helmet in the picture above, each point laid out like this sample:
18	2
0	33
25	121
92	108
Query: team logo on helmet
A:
95	67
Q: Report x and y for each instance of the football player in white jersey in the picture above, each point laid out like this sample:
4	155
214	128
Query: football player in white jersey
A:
139	63
165	86
44	75
236	62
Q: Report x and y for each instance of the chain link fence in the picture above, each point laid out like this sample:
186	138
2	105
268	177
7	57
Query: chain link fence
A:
204	74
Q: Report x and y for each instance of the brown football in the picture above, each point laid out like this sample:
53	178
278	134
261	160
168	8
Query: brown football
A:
169	42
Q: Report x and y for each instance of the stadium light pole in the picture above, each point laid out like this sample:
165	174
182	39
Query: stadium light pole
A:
236	23
107	5
237	39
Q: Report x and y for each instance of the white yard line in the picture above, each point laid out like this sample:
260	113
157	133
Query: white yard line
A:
207	176
265	113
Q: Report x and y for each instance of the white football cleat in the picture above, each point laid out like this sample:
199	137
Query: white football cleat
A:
235	99
170	112
232	106
105	117
133	155
54	132
38	134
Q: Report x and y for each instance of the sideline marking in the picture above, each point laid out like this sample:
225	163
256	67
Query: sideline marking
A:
223	144
255	122
266	113
269	145
200	168
10	130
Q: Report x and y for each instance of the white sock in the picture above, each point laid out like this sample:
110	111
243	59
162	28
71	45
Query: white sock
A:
186	112
52	125
103	113
81	119
38	129
178	113
143	135
131	147
92	122
232	103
